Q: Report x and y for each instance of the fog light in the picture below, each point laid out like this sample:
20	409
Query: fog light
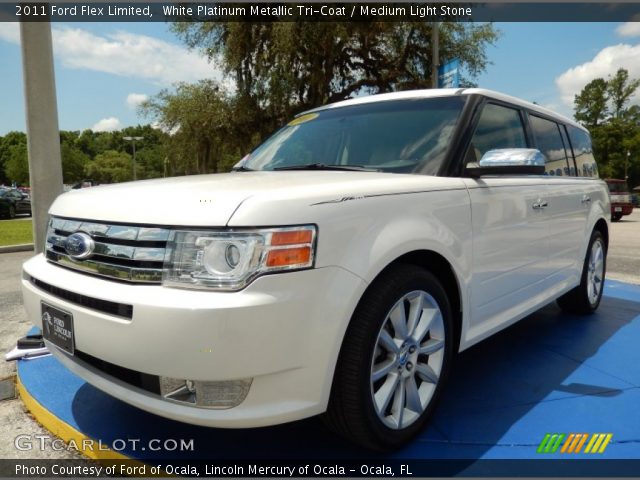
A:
225	394
218	394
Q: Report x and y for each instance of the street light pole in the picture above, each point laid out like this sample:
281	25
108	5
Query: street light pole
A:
133	140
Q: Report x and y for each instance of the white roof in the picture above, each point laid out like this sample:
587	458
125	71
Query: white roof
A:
447	92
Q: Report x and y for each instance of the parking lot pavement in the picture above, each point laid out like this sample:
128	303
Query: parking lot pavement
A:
624	249
13	321
623	265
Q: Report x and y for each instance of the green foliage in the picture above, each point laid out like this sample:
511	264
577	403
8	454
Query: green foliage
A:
620	89
9	140
79	150
591	104
86	142
201	121
150	162
73	163
280	69
17	164
603	107
110	167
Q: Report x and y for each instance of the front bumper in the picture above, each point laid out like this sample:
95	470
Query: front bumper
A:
283	330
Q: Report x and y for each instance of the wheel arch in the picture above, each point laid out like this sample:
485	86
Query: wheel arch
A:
443	270
440	267
603	228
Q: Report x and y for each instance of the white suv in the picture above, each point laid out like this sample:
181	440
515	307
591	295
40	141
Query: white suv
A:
337	270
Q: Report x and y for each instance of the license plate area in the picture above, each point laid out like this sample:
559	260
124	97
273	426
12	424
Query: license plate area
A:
57	327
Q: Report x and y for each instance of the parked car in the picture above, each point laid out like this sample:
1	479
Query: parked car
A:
13	202
621	203
337	271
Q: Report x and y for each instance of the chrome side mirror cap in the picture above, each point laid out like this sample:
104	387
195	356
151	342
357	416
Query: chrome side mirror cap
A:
508	161
503	157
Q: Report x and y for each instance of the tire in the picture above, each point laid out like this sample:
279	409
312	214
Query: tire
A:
381	368
12	211
585	298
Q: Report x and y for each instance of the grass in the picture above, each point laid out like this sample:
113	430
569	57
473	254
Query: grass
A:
15	232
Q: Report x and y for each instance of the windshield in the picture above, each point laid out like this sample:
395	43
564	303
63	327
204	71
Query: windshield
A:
392	136
617	187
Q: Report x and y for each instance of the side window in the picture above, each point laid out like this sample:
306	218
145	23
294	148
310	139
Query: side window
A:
581	143
549	142
571	171
499	127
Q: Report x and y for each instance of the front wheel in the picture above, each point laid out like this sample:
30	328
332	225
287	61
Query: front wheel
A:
394	360
585	298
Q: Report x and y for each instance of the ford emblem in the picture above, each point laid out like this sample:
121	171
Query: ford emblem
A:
79	245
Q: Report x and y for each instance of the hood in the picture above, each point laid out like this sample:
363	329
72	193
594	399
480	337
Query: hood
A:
211	200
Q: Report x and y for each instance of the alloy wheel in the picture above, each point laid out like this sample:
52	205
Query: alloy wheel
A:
595	272
408	360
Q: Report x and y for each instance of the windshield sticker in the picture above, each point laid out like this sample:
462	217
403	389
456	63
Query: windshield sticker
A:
303	119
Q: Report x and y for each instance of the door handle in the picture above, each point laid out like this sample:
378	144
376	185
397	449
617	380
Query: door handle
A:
539	205
586	199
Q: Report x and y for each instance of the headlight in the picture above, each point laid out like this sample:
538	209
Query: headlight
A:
229	260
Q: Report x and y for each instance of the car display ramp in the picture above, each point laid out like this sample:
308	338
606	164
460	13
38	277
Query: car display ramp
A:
544	389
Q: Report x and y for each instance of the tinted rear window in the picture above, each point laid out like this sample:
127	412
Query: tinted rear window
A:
581	144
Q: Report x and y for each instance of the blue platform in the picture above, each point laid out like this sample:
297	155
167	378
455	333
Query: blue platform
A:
550	372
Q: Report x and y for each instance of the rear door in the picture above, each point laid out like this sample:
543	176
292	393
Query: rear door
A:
568	202
509	228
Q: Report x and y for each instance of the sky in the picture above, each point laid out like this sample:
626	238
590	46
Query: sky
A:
104	70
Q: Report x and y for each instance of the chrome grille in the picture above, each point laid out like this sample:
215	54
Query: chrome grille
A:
122	252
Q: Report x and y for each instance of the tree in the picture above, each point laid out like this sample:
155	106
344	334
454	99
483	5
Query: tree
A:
202	126
591	103
17	165
73	163
9	140
86	142
603	107
150	162
620	89
110	167
280	69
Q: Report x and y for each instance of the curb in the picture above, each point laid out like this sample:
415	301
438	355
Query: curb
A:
24	247
68	434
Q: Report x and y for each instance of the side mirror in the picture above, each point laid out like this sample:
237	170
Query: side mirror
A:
509	161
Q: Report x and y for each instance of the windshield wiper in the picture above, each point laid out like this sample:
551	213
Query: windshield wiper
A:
324	166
